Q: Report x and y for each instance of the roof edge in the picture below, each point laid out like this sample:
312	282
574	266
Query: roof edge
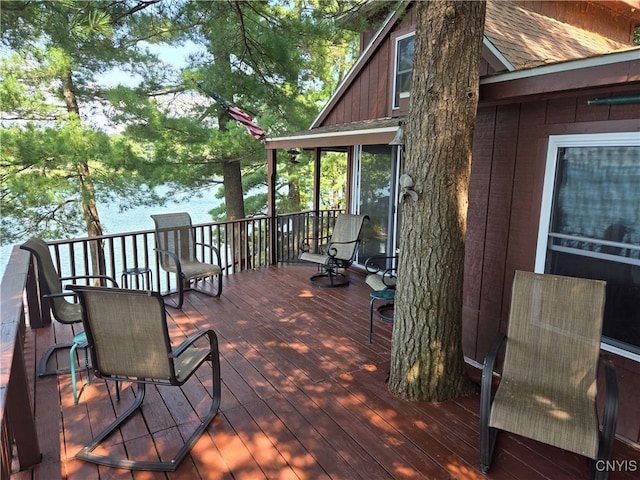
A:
600	60
361	59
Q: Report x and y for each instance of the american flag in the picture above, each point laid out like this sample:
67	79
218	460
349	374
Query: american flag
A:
245	119
240	116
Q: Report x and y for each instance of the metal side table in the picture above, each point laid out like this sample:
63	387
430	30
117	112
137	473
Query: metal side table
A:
383	310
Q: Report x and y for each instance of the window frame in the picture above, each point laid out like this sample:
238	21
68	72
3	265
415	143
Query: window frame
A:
557	142
403	102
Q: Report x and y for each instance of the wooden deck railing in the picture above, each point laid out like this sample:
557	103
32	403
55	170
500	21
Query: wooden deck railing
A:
243	244
17	423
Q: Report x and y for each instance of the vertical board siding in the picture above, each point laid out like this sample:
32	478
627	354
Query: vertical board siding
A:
507	175
476	227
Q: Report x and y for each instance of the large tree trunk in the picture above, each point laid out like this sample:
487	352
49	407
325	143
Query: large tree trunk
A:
87	191
426	359
233	194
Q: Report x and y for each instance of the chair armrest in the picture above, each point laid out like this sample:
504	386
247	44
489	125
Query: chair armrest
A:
78	277
58	295
610	409
173	256
304	247
372	267
487	434
487	372
89	277
332	251
214	250
191	339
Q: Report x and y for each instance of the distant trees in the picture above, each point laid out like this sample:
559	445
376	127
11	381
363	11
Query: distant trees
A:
91	105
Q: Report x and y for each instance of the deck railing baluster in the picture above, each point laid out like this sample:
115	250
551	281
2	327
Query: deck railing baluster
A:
242	243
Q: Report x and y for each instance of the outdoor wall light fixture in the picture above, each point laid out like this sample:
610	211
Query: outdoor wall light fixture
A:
294	155
406	188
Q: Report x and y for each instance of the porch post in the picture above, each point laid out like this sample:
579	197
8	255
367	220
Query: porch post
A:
316	180
271	205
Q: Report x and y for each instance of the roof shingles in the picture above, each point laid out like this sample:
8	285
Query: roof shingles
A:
528	39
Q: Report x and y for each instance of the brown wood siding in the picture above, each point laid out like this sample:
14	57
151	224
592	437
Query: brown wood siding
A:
367	96
507	175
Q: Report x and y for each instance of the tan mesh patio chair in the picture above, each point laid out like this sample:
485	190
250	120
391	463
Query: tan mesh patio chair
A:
338	254
547	390
176	247
53	296
129	341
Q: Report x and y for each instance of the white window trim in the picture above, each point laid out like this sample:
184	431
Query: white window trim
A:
395	69
355	182
581	140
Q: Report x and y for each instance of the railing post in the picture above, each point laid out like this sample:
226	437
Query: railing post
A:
17	422
19	413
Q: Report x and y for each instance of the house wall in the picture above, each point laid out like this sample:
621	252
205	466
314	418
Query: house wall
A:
507	173
369	93
362	99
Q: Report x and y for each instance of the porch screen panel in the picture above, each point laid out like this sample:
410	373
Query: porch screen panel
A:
375	199
595	231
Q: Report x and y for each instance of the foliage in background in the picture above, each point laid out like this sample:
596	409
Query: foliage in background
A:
139	119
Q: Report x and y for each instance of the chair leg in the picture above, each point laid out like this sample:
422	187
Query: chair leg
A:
87	452
177	305
72	362
44	360
371	318
206	292
80	340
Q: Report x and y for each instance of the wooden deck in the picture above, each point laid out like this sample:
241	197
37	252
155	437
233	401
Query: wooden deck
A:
304	397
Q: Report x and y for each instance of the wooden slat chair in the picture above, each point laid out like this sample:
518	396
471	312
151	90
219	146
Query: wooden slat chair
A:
176	248
338	254
547	390
129	341
63	311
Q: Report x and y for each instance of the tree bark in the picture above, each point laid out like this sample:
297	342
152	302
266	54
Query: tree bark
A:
233	194
427	361
87	190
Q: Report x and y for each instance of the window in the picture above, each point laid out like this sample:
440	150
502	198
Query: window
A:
403	68
590	225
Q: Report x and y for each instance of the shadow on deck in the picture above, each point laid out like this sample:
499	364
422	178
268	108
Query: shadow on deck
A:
303	397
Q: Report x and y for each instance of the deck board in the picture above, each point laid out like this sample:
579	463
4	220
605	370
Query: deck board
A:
303	397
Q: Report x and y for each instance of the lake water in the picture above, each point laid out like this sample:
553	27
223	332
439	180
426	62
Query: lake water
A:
138	218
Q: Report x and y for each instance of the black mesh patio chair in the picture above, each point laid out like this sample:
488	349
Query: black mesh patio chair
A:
53	296
338	254
129	341
548	385
176	247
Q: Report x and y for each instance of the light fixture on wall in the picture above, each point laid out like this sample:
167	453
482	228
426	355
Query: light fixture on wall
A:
406	188
293	155
398	140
